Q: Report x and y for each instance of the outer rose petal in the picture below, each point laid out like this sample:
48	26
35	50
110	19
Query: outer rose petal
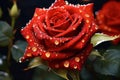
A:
58	3
73	63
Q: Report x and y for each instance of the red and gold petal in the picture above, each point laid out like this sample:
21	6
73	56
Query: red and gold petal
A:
108	30
41	25
88	18
63	26
88	8
31	51
54	12
85	39
72	27
78	37
58	3
28	34
71	9
43	36
36	50
56	56
75	62
71	42
39	12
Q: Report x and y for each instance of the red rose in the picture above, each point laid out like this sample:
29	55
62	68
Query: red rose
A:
108	18
60	35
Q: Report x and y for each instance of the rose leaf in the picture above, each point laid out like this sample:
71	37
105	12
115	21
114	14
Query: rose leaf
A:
61	72
4	76
85	74
5	33
108	63
18	49
35	62
42	72
100	37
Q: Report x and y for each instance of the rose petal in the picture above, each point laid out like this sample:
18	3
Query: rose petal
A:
73	63
85	39
58	3
78	20
54	12
39	12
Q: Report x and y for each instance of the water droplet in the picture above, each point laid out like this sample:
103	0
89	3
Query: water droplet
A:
75	67
56	42
77	59
47	54
27	37
28	54
87	15
34	49
66	64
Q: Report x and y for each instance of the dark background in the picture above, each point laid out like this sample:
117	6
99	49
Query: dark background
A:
27	8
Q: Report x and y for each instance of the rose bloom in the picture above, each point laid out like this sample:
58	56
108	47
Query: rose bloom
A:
108	19
60	35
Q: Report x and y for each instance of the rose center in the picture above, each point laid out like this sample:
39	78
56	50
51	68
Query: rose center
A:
58	18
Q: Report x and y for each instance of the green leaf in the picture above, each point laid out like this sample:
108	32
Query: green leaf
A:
37	61
85	74
6	29
100	37
4	40
4	76
108	63
43	73
5	33
74	74
4	68
61	72
3	63
18	49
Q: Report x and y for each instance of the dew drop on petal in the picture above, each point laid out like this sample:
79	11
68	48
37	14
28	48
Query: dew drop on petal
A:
74	28
75	67
34	49
87	21
87	15
66	64
30	40
28	54
80	11
47	54
77	59
56	42
27	37
83	40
